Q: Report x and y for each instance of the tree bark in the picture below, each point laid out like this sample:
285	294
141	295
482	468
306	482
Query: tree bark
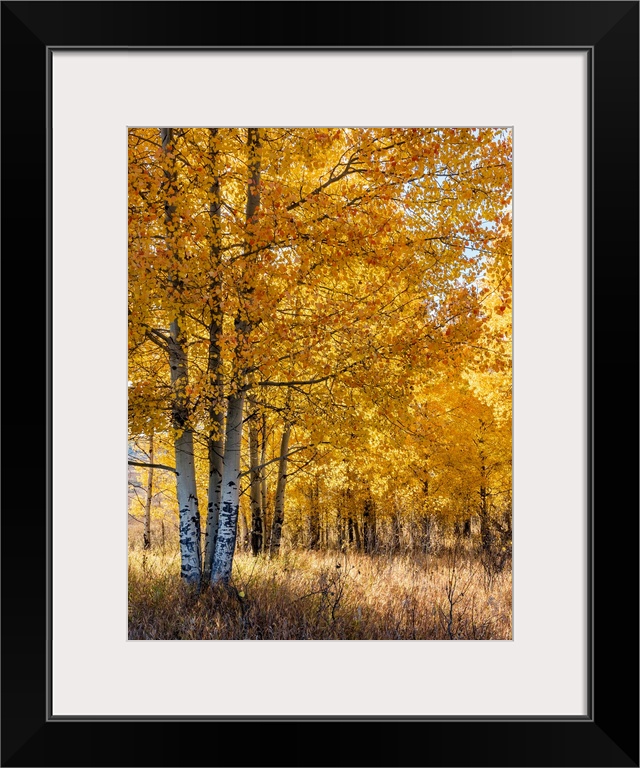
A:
314	516
486	535
263	484
369	526
147	505
426	533
257	522
358	537
215	440
426	521
341	513
189	524
243	537
189	514
278	511
228	522
230	502
214	491
396	531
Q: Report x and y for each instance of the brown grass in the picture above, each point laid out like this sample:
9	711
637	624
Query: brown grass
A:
322	596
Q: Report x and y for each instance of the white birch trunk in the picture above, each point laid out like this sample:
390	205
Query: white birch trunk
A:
230	502
214	371
215	448
189	521
189	512
228	521
186	491
214	497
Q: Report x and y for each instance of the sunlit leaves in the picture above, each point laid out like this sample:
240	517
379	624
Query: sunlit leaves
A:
369	290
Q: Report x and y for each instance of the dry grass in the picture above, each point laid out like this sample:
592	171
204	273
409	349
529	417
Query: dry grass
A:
322	596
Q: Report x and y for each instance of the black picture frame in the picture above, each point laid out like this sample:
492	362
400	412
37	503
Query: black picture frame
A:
608	735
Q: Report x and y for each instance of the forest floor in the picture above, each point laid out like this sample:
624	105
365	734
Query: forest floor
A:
324	595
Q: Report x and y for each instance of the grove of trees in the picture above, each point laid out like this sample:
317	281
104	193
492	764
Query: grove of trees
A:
320	337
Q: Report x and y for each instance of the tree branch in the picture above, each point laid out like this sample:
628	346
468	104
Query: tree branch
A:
152	466
157	338
271	461
296	383
347	170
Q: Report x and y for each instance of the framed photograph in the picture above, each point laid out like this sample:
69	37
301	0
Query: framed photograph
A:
546	90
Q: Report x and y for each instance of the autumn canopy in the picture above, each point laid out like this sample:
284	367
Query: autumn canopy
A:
320	335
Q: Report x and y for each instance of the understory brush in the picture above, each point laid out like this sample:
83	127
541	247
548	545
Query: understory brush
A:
322	595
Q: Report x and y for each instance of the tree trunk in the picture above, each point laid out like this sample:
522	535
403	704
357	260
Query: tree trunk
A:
228	522
396	531
214	369
215	444
426	521
350	536
147	505
263	484
243	537
339	528
369	526
257	522
358	537
314	516
278	511
185	466
341	513
486	534
230	503
427	526
189	514
214	496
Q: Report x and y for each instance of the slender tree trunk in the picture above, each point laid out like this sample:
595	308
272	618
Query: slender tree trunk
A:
278	511
339	528
257	522
230	502
486	535
263	484
396	534
214	493
189	514
185	465
369	526
147	505
214	369
356	532
350	536
215	445
314	516
243	538
426	533
426	520
341	514
228	522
